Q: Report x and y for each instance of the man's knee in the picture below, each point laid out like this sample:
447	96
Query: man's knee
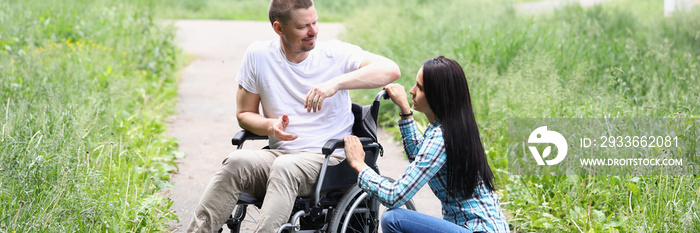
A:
240	162
292	170
285	165
239	158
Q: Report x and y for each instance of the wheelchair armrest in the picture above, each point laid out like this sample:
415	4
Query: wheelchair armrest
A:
244	135
328	149
334	144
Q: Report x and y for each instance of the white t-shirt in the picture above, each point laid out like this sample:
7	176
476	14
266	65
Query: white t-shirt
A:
283	85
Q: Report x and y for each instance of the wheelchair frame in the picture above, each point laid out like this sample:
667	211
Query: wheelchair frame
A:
355	211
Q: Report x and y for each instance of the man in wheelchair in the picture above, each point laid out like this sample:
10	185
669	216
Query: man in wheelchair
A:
302	86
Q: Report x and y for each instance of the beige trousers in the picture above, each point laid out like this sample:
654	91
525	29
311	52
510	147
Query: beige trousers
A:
279	176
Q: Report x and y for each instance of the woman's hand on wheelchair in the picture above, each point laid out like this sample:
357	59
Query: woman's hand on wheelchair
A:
397	93
354	153
280	127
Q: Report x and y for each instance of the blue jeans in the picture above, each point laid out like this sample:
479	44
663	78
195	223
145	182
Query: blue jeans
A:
406	221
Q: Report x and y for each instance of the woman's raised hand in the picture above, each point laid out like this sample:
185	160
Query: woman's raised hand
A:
397	93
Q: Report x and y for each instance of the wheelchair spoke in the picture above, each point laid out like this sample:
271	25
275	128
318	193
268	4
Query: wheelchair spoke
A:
355	213
253	214
358	212
359	218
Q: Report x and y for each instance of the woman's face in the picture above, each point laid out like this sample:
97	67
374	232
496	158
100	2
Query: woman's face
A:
420	103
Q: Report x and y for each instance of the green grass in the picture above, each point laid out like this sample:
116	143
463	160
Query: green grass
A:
622	59
527	1
328	11
85	89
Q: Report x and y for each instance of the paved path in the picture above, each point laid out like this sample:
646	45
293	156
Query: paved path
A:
206	121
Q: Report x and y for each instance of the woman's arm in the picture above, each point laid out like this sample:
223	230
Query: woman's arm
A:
411	138
428	161
409	134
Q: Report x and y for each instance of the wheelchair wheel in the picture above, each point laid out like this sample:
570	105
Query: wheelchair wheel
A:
358	212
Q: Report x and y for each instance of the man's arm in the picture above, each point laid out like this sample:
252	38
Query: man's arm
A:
375	71
249	118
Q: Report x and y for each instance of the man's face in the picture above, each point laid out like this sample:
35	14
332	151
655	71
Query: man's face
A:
299	33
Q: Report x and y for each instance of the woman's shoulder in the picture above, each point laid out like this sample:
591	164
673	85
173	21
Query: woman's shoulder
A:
434	130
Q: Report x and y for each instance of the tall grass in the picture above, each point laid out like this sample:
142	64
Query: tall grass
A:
615	60
85	87
328	11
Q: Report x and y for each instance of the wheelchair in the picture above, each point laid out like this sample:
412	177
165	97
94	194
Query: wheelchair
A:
338	203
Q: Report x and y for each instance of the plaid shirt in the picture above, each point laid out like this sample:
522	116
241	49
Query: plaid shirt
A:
427	156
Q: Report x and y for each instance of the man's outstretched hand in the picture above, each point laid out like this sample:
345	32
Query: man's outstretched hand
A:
280	128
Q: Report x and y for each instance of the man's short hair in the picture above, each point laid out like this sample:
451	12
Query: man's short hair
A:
281	10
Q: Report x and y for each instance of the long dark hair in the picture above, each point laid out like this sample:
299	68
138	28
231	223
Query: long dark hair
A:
447	93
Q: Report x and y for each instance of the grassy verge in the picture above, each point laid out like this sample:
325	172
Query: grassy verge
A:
329	11
84	90
621	59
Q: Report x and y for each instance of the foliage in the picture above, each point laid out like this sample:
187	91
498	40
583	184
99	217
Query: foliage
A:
85	89
328	11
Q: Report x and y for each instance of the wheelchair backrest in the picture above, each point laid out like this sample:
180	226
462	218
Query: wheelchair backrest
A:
365	125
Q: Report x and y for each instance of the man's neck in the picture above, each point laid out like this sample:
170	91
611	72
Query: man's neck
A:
292	56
